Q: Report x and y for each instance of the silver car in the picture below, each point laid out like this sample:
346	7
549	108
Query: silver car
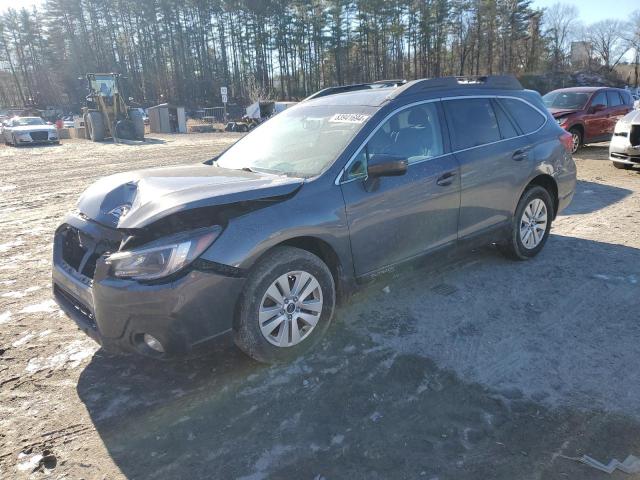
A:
28	131
624	149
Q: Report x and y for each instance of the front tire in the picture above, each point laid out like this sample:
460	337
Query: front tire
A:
96	127
531	225
286	306
577	137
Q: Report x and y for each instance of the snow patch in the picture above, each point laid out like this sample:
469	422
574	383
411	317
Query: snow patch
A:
70	357
5	247
48	306
28	462
266	460
23	340
22	294
4	317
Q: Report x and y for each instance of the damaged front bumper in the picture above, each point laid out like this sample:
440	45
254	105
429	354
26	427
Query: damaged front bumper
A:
195	307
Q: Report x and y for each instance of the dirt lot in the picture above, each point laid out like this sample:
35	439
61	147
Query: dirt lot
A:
481	369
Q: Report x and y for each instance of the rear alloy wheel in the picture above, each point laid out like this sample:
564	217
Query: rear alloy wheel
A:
286	306
531	225
576	136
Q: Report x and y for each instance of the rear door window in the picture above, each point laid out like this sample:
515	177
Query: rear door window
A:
473	122
600	98
528	118
614	98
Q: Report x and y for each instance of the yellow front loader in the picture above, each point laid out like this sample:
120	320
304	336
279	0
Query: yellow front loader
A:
107	113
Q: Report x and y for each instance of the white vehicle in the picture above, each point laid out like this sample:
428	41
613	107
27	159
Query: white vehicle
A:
624	148
29	131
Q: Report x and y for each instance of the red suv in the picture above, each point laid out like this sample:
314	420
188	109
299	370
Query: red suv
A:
589	113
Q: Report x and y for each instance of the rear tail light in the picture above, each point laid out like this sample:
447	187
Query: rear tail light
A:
567	141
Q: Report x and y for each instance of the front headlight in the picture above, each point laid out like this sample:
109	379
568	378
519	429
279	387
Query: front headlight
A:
163	257
622	127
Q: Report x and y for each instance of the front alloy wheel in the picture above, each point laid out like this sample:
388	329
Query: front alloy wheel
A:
290	309
286	305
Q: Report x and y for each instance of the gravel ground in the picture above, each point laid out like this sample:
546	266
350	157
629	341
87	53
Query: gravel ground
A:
478	368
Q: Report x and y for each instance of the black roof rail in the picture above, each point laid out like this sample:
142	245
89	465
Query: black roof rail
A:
355	87
504	82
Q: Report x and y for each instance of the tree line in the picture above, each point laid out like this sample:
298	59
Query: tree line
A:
183	51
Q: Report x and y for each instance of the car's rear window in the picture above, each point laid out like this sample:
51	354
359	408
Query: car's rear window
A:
528	118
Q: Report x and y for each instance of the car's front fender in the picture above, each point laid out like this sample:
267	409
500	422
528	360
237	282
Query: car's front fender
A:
314	212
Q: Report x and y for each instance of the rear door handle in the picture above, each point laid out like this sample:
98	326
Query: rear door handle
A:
520	155
446	179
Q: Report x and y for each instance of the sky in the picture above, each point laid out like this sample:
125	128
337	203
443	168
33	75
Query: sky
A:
590	10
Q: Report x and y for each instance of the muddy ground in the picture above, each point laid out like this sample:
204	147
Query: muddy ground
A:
478	369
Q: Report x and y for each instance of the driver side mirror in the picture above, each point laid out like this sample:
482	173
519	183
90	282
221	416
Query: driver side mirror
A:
383	165
597	108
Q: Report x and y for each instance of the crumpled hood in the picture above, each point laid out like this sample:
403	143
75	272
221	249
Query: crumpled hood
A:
561	112
33	128
139	198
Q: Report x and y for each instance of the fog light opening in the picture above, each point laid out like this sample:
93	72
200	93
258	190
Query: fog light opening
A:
153	343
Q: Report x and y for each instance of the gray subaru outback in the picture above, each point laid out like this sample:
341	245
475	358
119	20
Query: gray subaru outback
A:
354	181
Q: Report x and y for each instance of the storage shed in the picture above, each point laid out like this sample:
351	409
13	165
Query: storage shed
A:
167	118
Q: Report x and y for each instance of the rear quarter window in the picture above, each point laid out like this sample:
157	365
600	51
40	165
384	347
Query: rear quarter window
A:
528	118
626	98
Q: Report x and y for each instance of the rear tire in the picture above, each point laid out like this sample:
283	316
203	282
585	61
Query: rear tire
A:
622	166
264	326
576	134
531	225
95	126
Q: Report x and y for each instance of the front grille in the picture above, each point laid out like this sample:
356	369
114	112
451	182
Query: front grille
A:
81	252
39	136
76	304
73	251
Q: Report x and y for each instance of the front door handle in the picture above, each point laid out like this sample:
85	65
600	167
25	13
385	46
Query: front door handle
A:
446	179
520	155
